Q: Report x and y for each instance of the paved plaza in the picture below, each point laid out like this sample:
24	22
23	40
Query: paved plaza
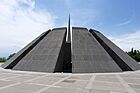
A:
12	81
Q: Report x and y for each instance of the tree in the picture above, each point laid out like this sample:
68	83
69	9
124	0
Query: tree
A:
135	54
3	59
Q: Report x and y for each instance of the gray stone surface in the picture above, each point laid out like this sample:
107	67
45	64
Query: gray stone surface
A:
69	31
18	56
45	55
88	55
13	81
132	64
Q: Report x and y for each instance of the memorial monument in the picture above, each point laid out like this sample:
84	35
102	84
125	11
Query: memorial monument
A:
76	50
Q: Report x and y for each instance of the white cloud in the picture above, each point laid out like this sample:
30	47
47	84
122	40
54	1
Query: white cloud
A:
124	23
128	41
128	21
20	23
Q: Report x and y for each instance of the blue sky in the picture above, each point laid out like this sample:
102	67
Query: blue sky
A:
113	16
23	20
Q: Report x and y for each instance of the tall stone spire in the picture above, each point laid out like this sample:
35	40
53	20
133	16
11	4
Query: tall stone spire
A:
69	34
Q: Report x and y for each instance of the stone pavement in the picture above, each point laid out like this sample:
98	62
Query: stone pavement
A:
12	81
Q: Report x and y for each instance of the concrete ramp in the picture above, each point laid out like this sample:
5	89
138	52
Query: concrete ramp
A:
88	55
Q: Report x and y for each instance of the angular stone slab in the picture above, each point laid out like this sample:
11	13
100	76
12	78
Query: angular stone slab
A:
18	56
46	55
88	55
124	60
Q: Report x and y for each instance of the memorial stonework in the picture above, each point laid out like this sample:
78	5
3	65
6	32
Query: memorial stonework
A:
78	50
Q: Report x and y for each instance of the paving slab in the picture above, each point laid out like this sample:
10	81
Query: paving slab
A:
22	88
21	78
132	80
45	80
107	78
12	81
97	91
62	90
4	83
81	77
71	83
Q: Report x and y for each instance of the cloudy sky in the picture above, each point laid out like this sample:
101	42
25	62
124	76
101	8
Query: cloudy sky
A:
21	21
